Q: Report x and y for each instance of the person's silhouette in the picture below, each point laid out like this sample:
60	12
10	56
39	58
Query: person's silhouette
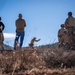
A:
2	26
20	25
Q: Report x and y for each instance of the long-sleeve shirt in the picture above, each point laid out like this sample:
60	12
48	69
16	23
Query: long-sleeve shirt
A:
70	21
20	24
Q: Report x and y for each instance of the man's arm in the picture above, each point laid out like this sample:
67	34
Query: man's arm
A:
3	26
24	23
59	33
37	40
66	23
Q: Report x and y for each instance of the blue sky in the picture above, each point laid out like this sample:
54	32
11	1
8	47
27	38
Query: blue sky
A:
43	18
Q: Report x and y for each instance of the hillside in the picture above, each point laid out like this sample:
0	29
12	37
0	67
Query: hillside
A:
6	47
38	61
54	45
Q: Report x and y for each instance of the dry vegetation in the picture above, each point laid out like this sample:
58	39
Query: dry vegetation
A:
37	62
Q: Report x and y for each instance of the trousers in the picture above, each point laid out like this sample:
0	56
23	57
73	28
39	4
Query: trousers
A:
19	35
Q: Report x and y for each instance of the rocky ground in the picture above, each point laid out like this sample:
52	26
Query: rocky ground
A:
37	62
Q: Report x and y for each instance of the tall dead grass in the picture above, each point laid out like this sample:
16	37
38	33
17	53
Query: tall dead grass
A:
27	60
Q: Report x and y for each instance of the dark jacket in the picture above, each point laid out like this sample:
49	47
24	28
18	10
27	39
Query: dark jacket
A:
1	27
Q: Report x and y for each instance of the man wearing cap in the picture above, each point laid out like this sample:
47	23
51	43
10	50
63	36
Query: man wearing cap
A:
20	25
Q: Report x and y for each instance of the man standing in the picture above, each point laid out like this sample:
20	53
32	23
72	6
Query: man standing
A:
20	25
60	34
70	23
1	34
66	41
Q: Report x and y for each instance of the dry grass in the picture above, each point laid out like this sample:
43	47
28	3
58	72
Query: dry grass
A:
37	62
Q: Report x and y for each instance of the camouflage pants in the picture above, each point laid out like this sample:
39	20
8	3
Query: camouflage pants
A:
70	31
72	44
31	45
66	46
60	42
1	40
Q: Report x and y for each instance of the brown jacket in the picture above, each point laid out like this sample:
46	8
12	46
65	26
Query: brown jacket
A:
20	24
70	21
